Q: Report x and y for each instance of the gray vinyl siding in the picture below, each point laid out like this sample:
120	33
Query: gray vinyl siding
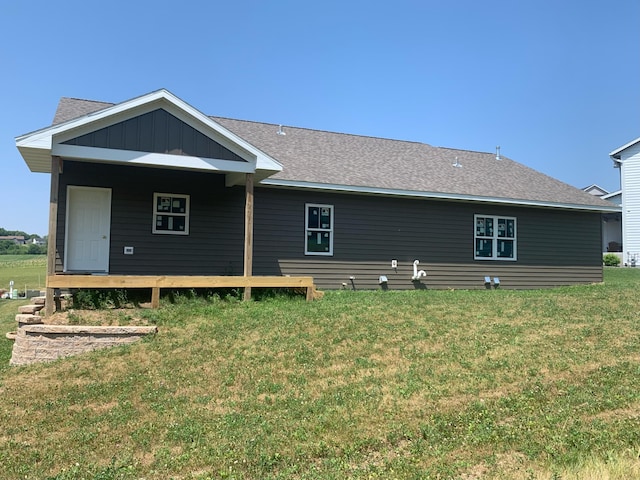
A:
215	242
554	247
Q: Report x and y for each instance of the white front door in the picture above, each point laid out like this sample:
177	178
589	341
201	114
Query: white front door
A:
87	229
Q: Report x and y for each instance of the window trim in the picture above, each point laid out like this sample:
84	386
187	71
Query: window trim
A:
307	206
156	213
494	238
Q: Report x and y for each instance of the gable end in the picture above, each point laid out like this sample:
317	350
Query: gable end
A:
157	131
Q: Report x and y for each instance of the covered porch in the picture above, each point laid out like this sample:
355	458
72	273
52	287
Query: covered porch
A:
148	193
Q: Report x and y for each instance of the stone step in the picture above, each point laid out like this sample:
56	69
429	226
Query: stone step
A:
28	319
32	309
38	300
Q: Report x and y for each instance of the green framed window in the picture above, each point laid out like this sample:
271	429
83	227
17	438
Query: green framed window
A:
495	238
170	214
318	229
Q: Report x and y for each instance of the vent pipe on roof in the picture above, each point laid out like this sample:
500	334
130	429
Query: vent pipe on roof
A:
280	131
457	164
498	157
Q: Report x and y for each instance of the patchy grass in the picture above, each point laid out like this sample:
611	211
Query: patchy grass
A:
426	384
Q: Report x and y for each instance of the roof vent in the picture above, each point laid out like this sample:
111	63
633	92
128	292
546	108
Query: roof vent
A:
498	157
280	130
457	164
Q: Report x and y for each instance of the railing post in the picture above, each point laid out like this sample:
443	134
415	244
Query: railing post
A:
248	233
56	162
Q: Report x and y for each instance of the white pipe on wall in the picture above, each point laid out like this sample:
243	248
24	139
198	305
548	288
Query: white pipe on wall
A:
417	274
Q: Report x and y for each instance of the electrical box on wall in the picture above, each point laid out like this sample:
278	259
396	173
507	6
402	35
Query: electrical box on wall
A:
128	250
394	263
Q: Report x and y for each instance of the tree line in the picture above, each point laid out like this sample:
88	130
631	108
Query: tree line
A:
10	247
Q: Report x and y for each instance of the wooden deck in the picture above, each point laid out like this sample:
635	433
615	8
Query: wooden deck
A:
156	283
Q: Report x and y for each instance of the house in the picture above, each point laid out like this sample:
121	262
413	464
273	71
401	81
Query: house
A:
611	222
17	239
627	158
153	187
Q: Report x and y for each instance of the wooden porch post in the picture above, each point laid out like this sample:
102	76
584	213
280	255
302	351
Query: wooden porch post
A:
53	227
248	233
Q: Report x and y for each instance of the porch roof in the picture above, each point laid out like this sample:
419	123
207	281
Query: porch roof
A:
81	118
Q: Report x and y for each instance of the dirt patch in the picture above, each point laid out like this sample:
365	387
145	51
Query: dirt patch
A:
114	317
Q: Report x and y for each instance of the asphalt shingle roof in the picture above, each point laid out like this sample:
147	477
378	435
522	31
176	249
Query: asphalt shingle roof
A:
330	158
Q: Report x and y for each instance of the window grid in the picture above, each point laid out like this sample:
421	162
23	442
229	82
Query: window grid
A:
495	238
318	229
170	214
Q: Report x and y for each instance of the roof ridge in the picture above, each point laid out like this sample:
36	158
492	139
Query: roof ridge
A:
333	132
502	157
87	100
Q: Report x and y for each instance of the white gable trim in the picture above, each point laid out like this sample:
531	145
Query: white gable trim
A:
611	195
37	147
615	155
433	195
595	188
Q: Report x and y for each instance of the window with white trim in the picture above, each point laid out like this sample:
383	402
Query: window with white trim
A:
318	228
170	214
495	237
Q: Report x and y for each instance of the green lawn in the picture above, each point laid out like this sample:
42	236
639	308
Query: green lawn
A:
28	272
425	384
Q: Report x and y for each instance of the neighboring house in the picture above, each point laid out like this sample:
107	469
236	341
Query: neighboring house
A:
151	186
627	158
611	222
17	239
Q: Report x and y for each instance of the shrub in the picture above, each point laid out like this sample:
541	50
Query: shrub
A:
97	299
611	260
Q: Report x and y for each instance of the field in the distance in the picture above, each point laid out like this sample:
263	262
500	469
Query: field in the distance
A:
28	272
427	384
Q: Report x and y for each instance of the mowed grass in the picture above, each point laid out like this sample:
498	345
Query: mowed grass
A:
425	384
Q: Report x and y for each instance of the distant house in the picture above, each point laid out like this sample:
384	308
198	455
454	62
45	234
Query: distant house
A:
17	239
611	222
627	158
152	186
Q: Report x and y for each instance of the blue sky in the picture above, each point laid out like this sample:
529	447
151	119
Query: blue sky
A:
555	84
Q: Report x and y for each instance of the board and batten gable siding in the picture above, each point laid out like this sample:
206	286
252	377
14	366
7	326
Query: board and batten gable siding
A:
554	247
215	242
630	180
156	132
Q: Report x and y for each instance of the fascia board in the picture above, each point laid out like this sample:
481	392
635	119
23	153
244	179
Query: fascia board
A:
434	195
75	124
612	194
263	161
108	155
615	155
